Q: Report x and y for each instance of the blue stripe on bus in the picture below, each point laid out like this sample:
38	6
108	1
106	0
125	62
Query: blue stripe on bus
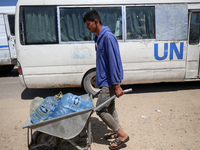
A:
3	46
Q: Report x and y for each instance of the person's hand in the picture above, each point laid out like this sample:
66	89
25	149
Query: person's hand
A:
118	90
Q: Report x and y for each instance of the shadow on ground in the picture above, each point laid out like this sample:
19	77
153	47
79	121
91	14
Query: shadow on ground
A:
12	73
162	87
29	94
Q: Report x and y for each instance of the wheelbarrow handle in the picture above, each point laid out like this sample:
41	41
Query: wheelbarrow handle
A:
128	90
110	99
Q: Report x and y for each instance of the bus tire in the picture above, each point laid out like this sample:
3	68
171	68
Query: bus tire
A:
89	82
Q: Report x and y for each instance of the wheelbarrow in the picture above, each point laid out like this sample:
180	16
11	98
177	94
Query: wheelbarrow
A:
50	133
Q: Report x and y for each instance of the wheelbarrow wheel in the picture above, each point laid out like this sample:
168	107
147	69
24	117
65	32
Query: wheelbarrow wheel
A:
52	143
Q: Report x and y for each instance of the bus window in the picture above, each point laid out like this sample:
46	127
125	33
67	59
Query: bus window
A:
11	20
72	27
194	29
140	22
112	17
40	25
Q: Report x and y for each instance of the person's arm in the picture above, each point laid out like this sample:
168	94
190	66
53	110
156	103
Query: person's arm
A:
114	60
118	90
115	64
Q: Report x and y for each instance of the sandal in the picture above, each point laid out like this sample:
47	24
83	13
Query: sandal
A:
119	143
111	135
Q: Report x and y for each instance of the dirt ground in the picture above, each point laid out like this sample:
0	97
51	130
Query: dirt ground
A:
164	116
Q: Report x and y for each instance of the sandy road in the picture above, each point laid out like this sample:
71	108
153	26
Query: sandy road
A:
164	116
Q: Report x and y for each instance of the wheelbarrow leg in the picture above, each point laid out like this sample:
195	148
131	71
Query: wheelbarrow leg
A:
89	132
29	131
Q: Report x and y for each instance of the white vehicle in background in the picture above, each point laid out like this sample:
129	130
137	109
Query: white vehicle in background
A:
158	40
8	57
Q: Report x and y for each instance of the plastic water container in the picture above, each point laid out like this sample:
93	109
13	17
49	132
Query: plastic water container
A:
44	110
76	103
69	104
80	104
63	107
35	103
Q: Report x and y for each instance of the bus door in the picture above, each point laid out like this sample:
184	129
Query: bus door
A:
193	54
10	30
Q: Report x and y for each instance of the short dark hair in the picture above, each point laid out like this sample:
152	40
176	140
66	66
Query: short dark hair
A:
91	15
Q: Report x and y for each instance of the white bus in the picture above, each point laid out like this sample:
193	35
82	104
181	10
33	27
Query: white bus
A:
158	40
8	57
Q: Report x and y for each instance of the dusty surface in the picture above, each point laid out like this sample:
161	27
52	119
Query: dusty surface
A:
162	116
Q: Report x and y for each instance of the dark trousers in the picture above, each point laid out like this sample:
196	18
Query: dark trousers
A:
108	112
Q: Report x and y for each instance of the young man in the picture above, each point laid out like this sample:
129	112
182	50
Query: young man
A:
109	74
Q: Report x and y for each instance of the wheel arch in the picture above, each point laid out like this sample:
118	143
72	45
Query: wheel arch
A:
89	71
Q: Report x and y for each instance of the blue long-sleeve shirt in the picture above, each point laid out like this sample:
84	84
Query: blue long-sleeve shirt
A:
109	70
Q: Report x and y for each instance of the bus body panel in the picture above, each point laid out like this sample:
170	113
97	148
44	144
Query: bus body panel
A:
146	68
70	70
